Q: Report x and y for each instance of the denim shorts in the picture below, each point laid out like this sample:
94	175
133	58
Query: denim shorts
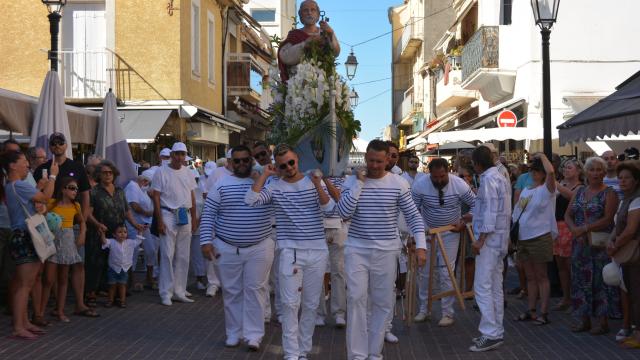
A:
117	277
21	247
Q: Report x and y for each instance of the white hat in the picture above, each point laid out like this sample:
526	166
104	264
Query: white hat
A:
229	153
209	167
148	174
179	146
165	152
611	274
490	146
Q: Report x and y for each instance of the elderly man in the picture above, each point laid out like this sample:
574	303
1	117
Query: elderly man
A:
174	207
239	235
439	197
137	194
299	204
292	48
491	223
372	203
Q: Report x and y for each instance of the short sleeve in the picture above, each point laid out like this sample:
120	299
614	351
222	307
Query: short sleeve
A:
156	182
635	204
25	191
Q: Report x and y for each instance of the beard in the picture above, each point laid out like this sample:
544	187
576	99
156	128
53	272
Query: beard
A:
242	172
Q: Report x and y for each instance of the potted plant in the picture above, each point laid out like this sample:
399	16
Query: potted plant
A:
456	57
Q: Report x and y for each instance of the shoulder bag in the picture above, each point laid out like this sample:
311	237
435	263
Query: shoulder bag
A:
596	239
514	233
41	236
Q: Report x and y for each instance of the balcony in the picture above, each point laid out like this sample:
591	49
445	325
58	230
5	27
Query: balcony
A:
244	77
451	94
480	66
411	40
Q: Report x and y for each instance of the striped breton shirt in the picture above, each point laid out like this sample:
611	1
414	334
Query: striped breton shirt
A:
299	215
373	208
228	218
454	194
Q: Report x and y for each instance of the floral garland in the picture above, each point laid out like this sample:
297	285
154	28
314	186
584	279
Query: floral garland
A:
301	105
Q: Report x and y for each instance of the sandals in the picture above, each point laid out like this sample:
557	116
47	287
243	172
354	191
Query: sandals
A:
91	301
40	321
526	316
108	304
87	313
601	330
522	294
122	305
581	327
540	320
561	307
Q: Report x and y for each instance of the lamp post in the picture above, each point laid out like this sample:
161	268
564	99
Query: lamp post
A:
353	98
55	14
545	13
351	65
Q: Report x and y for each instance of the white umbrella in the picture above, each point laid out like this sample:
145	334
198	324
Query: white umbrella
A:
111	143
51	115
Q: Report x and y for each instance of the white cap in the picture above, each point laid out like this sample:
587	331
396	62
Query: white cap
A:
611	274
490	146
209	167
148	174
229	153
165	152
179	146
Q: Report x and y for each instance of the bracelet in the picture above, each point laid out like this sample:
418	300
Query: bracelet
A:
52	177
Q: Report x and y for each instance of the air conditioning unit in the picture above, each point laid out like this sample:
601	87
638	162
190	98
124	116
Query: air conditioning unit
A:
417	106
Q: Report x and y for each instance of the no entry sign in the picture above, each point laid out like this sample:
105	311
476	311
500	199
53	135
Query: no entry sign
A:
507	118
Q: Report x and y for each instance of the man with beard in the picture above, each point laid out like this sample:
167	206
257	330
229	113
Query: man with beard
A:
412	174
372	202
239	236
299	204
439	197
292	48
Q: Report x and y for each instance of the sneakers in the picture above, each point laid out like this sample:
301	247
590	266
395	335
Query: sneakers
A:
421	317
319	321
623	334
446	320
340	322
485	344
211	291
200	286
182	299
253	345
231	342
390	338
165	301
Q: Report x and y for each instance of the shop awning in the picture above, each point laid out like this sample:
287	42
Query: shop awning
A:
142	126
490	116
444	120
617	114
17	111
484	135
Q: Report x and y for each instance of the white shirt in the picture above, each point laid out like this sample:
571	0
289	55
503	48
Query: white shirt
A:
635	205
174	186
539	216
216	175
492	213
121	253
134	194
405	175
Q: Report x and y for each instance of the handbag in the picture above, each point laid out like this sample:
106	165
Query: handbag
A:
41	236
514	232
596	239
628	253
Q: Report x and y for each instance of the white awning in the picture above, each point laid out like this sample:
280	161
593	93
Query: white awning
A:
485	135
142	126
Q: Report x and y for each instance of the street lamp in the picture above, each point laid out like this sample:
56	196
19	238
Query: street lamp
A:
55	13
351	65
545	13
353	98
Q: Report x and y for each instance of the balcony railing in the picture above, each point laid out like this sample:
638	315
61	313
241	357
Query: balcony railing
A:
244	75
481	51
86	74
407	104
412	36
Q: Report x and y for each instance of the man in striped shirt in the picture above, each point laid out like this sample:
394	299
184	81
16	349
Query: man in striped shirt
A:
439	197
299	203
238	235
372	203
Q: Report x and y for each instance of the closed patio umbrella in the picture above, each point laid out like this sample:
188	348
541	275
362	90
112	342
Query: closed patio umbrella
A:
111	143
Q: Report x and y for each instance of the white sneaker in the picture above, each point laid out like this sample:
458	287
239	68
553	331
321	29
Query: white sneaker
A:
319	321
390	338
165	301
446	320
182	299
188	294
230	342
253	345
211	291
340	322
200	286
421	317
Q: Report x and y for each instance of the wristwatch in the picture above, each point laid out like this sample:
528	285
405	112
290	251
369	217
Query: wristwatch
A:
52	177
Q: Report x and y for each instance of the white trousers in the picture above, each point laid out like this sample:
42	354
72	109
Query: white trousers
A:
338	302
268	285
489	295
198	267
370	273
244	274
175	247
300	274
451	242
213	273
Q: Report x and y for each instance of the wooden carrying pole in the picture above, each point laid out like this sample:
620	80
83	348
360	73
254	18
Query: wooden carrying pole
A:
410	284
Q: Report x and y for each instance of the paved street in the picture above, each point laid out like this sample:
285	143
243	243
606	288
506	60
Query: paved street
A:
148	330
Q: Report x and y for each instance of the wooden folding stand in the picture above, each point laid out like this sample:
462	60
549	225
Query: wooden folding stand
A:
410	284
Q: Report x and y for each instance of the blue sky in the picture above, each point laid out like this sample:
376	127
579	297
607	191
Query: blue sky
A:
355	21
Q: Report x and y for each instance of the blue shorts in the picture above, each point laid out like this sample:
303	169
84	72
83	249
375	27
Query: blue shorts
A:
117	278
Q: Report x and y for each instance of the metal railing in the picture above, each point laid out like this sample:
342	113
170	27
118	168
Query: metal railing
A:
412	31
481	51
407	103
86	74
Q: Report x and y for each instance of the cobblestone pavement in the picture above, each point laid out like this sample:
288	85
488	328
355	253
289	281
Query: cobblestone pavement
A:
148	330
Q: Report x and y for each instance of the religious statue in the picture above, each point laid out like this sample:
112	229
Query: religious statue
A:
302	91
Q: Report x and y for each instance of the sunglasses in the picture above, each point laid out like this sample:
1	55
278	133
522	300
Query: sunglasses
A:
243	160
288	163
262	153
441	197
72	188
57	143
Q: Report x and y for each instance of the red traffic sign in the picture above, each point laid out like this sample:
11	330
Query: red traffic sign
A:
507	118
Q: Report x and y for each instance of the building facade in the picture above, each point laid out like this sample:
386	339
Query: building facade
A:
276	17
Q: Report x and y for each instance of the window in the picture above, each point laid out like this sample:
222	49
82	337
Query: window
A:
264	15
211	40
255	79
505	12
195	37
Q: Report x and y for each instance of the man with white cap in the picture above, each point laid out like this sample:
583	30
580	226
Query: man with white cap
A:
164	158
137	194
175	209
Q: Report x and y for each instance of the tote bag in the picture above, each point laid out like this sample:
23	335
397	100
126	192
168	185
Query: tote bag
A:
41	236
